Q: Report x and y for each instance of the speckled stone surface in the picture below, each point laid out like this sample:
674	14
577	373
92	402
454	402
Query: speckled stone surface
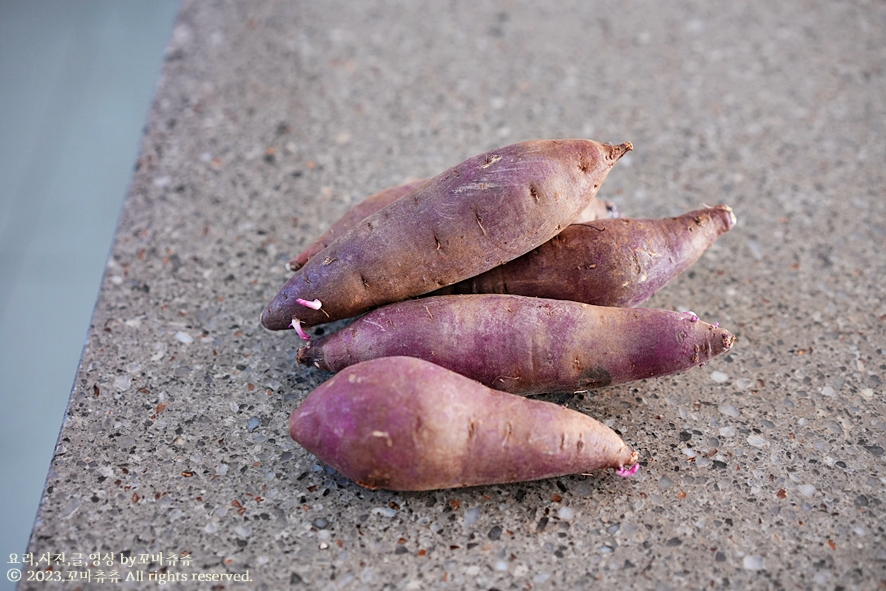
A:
763	469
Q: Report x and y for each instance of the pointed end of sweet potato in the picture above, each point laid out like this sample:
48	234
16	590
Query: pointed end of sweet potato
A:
630	467
616	152
632	461
313	356
278	315
730	217
723	216
726	339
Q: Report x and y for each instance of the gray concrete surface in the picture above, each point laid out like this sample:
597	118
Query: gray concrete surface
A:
763	469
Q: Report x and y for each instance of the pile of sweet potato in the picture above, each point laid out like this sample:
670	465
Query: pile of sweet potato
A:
500	277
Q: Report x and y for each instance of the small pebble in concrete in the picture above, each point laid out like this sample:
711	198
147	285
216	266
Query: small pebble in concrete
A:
757	441
385	511
719	377
728	409
807	490
875	450
471	516
566	513
752	562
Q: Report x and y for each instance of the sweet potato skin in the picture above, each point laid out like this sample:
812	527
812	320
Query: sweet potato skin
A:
354	216
611	262
597	209
401	423
525	345
481	213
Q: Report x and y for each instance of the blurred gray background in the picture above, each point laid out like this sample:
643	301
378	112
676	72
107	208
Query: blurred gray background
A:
76	81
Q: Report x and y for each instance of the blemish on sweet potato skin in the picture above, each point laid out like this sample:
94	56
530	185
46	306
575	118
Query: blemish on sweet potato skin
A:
595	377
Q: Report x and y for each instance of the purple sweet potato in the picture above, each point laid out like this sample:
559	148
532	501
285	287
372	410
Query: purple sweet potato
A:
612	262
400	423
525	345
598	209
354	216
481	213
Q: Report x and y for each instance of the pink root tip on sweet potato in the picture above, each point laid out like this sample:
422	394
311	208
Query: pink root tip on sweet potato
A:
314	304
628	472
296	324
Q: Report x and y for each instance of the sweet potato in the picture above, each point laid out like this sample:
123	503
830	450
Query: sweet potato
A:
401	423
354	216
596	210
481	213
612	262
525	345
